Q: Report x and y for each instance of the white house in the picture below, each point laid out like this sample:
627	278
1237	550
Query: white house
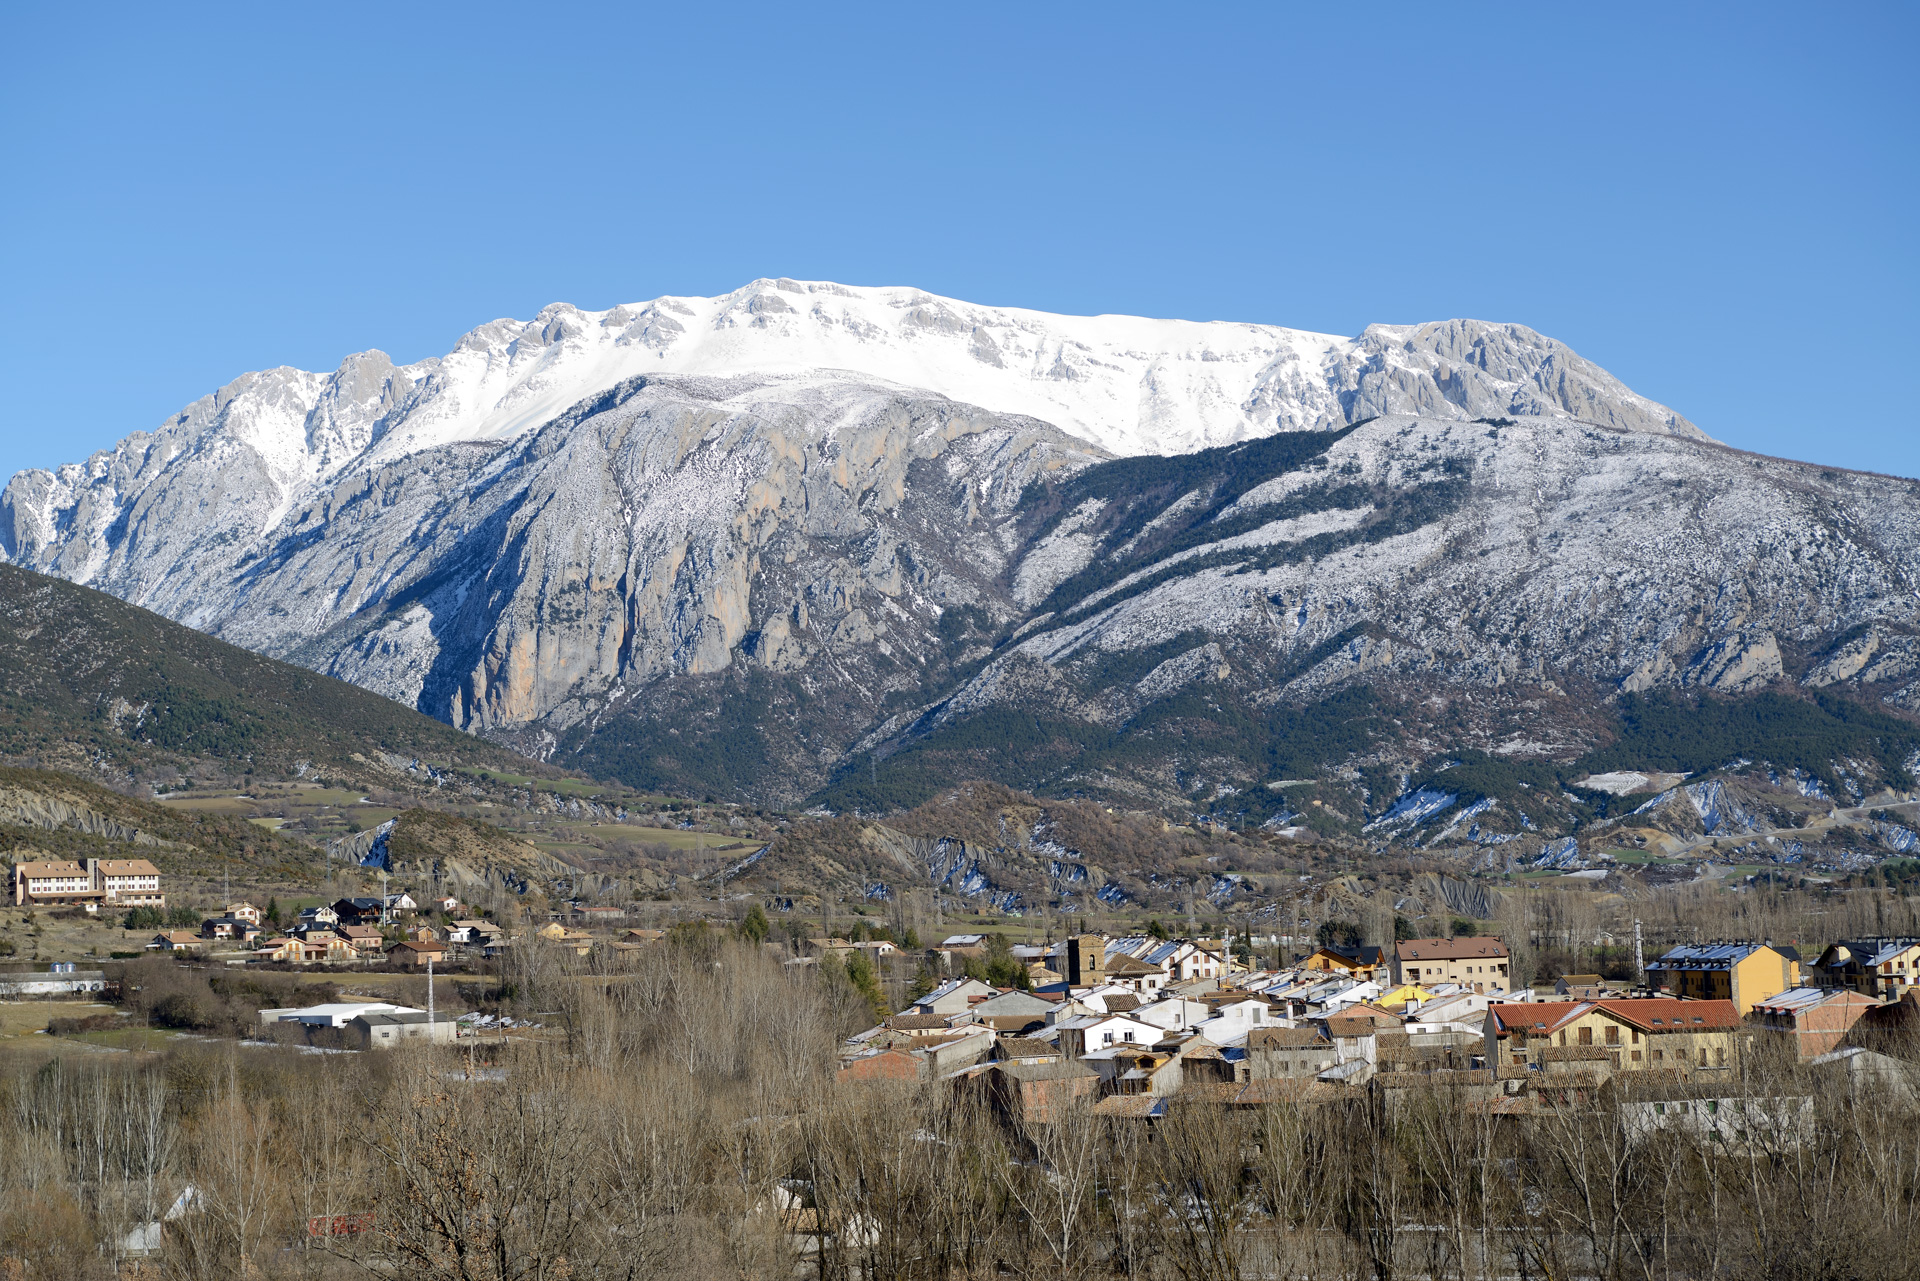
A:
1781	1120
1335	1001
1463	1012
1100	1031
1174	1014
956	996
1231	1022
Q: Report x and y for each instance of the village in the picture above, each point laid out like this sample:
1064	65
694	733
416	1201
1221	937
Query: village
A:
1128	1022
1049	1052
1133	1022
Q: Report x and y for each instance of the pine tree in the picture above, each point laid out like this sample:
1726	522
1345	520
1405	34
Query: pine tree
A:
755	927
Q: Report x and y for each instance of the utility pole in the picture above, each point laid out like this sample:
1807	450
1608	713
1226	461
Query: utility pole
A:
429	1000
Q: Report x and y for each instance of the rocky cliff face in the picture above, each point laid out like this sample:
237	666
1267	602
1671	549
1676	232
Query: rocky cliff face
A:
798	533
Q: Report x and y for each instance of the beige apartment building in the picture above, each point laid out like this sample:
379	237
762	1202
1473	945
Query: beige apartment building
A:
128	882
52	881
1480	964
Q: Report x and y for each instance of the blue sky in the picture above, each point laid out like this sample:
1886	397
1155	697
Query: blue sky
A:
1715	203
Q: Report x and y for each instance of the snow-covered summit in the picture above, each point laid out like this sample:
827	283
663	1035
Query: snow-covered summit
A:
1127	384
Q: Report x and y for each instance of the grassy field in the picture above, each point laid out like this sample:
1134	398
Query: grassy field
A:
127	1038
211	804
316	813
23	1026
24	1018
89	940
674	837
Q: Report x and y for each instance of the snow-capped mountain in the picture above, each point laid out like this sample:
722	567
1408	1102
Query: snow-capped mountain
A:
729	539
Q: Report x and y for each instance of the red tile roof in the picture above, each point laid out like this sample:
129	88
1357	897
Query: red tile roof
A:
1649	1014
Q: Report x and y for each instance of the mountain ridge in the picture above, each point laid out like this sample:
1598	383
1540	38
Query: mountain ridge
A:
1126	384
767	581
125	690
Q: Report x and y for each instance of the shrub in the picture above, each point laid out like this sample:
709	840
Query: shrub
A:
91	1023
144	918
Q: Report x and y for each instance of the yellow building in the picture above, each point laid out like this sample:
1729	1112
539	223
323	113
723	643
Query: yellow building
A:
1360	963
1399	996
1883	968
1744	973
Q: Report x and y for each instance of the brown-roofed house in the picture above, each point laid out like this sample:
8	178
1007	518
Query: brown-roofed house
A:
1026	1092
363	939
1289	1053
1360	963
926	1028
1363	1020
1025	1050
416	951
889	1064
1145	979
1477	963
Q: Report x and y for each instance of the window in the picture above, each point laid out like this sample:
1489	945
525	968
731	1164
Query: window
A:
1703	1058
1636	1056
1586	1036
1613	1036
